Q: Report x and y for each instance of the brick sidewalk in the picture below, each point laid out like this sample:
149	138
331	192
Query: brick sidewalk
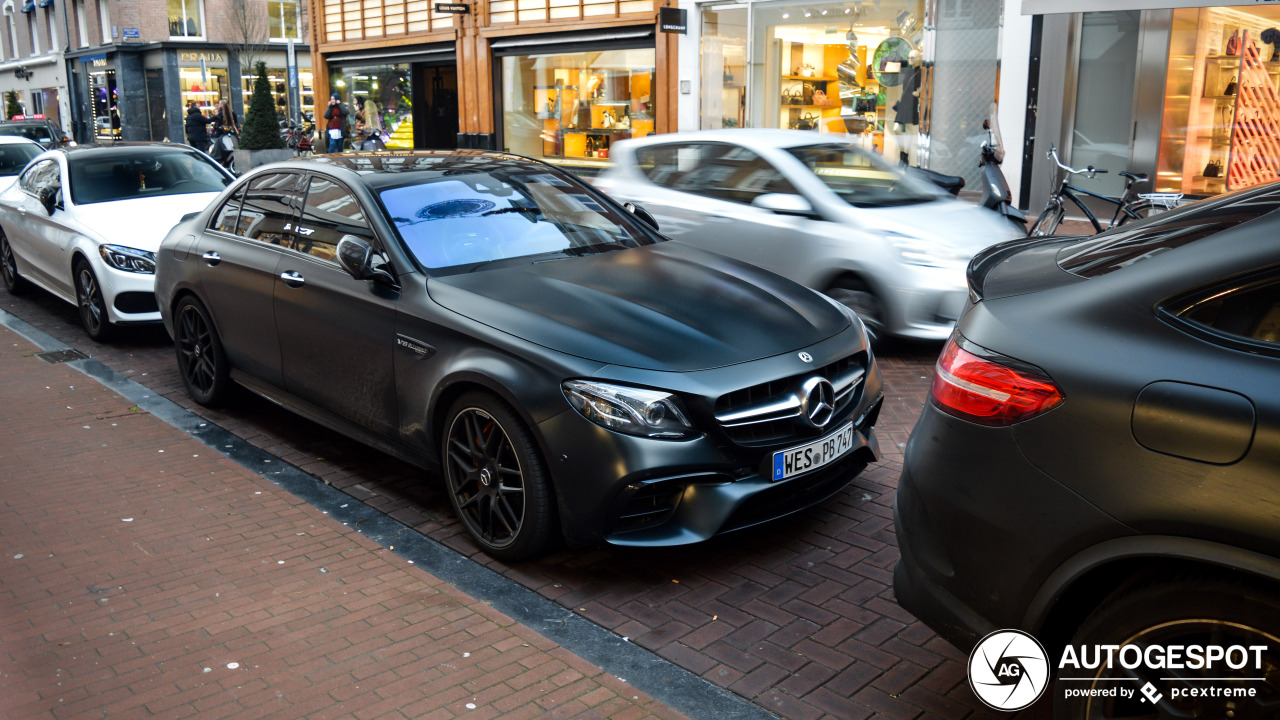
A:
142	574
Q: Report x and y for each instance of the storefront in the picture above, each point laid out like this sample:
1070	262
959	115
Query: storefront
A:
560	80
1188	95
909	79
568	101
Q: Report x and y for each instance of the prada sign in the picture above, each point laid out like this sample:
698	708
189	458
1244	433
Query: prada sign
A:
195	57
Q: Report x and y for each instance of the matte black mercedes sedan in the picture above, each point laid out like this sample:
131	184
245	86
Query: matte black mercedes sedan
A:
1099	462
570	372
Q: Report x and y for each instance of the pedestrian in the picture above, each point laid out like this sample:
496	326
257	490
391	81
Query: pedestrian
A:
115	122
226	118
197	128
336	127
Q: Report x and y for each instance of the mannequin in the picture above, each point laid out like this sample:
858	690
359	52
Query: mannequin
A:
907	110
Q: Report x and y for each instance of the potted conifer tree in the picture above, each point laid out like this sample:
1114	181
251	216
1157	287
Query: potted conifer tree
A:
260	140
11	105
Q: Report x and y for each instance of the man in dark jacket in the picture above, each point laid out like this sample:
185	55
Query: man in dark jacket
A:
197	129
336	129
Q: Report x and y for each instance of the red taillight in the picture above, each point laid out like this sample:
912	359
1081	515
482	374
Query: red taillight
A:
986	392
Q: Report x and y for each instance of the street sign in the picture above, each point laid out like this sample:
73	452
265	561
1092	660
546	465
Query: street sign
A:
131	33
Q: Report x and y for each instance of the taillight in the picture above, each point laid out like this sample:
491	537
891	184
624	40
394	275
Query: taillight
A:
986	392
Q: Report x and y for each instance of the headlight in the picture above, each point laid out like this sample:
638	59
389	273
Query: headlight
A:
915	251
647	413
129	259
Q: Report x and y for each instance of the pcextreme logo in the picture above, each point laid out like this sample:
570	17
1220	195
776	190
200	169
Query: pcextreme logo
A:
1009	670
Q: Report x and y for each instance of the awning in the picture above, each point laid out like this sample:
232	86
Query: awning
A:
29	6
440	52
573	38
44	3
1048	7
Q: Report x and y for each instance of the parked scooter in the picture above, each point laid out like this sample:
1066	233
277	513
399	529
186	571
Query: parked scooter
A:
996	194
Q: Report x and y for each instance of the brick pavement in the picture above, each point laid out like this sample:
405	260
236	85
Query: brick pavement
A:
797	616
142	574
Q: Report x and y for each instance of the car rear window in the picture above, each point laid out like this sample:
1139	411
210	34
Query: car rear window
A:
1130	244
97	178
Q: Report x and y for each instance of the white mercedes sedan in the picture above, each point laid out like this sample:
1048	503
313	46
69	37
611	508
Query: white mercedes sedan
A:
84	223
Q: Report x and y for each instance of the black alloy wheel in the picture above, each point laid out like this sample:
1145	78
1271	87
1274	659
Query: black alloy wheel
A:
13	282
497	482
855	295
1189	612
201	359
89	300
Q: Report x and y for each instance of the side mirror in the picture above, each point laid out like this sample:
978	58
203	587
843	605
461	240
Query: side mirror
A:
785	204
356	257
643	215
49	198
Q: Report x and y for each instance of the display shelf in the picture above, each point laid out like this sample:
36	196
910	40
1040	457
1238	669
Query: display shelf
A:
810	78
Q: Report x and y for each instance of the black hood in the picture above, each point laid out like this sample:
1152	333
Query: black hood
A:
662	307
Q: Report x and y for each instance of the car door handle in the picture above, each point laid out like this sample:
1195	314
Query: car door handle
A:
212	258
293	279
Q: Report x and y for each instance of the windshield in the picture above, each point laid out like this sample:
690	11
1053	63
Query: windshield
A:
38	133
107	177
861	179
465	221
15	156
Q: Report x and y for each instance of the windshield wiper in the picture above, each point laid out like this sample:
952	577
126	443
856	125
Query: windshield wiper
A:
532	211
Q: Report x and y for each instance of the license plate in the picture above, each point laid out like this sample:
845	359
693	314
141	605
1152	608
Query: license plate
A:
805	458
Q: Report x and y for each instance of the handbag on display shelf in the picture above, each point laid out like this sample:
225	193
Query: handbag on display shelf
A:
1213	169
1233	44
809	121
793	95
820	98
1232	87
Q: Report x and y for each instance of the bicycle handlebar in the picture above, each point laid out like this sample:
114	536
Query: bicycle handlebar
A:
1091	171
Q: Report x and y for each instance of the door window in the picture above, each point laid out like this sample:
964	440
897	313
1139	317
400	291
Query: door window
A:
1245	310
331	211
228	215
720	171
269	209
41	175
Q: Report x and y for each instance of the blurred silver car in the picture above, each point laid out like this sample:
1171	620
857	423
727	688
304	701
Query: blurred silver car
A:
816	209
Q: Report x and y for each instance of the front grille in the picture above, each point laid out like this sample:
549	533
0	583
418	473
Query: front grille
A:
771	412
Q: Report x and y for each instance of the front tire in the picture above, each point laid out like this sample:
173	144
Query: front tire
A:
91	304
1189	611
496	479
13	282
855	295
202	363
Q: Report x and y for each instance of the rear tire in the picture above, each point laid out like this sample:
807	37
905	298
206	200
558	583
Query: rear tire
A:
1047	223
13	282
202	362
1189	611
1141	209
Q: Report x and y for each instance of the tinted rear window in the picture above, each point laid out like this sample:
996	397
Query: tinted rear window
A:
1130	244
15	157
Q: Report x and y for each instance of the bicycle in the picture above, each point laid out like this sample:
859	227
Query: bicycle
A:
1129	206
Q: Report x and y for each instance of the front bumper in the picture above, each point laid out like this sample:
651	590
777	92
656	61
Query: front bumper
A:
130	297
926	305
980	529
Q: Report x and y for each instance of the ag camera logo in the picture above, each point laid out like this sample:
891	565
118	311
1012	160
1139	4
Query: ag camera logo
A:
1008	670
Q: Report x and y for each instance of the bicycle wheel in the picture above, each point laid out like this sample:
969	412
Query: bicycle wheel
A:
1134	211
1047	223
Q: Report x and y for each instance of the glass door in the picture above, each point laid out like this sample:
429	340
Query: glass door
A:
724	67
1102	128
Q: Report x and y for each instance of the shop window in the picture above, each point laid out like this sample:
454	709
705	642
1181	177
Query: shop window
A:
839	68
379	100
282	20
571	108
186	18
203	88
276	84
1221	98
